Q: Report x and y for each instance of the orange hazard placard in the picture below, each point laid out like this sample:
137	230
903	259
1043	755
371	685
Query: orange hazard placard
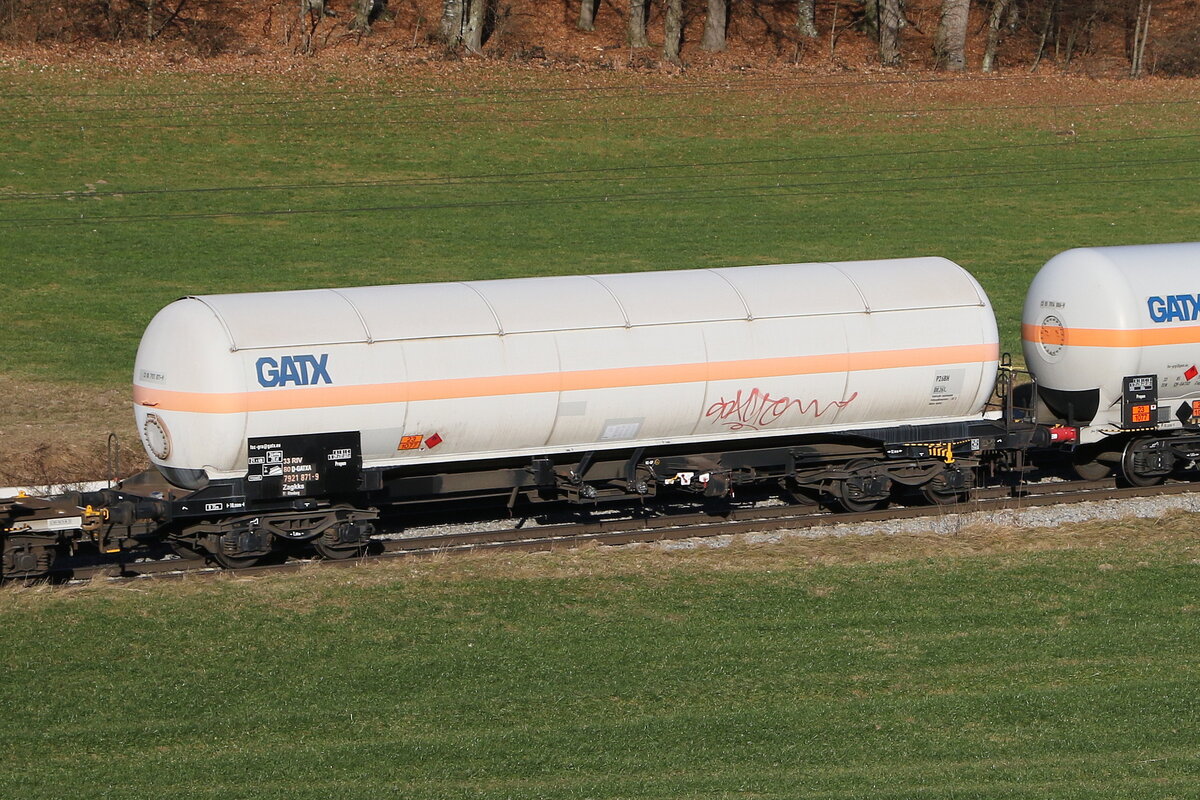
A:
410	442
1140	413
1196	408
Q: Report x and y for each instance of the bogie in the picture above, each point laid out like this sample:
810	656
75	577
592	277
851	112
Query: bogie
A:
865	487
948	487
1146	462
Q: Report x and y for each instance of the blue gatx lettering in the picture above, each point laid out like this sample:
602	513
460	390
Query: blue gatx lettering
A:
295	370
1174	308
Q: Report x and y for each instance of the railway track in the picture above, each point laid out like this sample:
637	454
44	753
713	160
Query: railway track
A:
649	529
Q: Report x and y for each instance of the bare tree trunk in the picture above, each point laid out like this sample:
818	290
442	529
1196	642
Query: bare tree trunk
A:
473	36
951	40
673	31
995	19
806	18
1141	31
833	29
636	29
1047	24
889	32
714	26
361	21
453	19
587	15
311	14
870	20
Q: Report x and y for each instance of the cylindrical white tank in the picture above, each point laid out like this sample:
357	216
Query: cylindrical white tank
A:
455	372
1098	320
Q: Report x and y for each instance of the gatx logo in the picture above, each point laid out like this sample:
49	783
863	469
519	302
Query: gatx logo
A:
295	370
1174	308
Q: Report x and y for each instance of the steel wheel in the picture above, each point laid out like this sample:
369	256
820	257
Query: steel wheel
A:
942	491
1093	462
941	496
862	493
337	553
237	562
797	495
185	550
1092	470
1132	472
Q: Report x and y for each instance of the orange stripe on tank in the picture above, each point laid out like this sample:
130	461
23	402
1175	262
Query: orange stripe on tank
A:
1105	337
542	382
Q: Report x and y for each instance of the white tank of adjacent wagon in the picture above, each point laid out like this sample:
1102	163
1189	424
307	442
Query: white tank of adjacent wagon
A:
510	368
1096	316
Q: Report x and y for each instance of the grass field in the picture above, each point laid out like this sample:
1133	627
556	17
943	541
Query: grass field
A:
1014	665
120	193
1025	664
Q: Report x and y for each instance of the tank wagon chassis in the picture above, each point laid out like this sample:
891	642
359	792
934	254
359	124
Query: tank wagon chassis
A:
227	523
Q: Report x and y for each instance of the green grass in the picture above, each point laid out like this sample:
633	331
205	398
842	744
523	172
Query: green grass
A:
887	672
1067	673
877	171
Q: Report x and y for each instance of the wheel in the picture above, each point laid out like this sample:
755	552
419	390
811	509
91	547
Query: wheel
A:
237	562
28	562
1092	470
185	550
862	492
1093	462
248	550
344	540
796	495
941	496
1141	466
337	553
948	487
855	506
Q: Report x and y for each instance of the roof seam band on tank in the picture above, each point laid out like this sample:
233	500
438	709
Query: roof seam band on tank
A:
613	295
486	302
233	347
736	290
626	325
861	295
361	320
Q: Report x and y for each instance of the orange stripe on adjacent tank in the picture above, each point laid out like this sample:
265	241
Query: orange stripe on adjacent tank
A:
540	382
1104	337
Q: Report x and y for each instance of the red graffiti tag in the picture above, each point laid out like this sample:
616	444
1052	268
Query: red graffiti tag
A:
758	409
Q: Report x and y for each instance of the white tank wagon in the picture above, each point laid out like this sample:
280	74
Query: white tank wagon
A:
1112	335
457	372
297	415
295	419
